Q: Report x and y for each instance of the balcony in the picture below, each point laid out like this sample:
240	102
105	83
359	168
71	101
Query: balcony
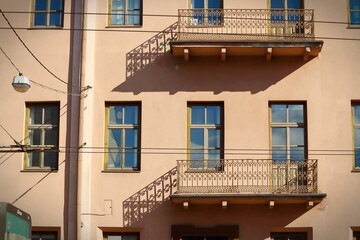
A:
246	32
247	181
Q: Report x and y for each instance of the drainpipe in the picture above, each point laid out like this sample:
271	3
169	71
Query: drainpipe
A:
72	131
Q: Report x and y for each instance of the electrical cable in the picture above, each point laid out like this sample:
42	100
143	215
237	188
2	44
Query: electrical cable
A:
28	49
39	84
177	16
198	33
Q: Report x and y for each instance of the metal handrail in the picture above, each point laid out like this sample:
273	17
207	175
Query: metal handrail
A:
246	24
247	176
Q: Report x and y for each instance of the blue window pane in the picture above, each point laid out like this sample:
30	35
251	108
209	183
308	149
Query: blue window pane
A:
118	4
357	158
133	18
213	115
214	3
214	138
115	115
196	154
40	19
296	113
197	115
296	136
297	153
357	137
278	136
196	158
131	158
55	19
56	5
196	138
51	115
114	138
33	159
279	153
355	4
133	4
293	4
357	114
197	4
50	137
114	157
131	115
278	113
355	18
50	159
35	137
131	137
214	154
36	115
40	5
277	4
118	18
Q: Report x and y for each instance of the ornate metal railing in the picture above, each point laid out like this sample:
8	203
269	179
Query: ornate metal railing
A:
247	176
246	24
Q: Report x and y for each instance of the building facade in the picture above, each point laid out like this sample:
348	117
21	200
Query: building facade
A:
183	119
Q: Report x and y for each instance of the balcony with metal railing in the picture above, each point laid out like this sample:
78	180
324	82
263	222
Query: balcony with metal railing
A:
233	32
248	180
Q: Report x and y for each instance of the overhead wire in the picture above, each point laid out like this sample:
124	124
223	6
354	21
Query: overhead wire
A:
36	83
28	49
175	16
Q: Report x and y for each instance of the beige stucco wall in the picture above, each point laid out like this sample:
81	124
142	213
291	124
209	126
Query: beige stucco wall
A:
245	85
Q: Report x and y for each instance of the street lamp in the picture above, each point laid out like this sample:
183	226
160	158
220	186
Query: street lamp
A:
21	83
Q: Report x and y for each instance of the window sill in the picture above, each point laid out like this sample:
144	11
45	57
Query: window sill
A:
353	27
120	171
124	26
40	170
356	170
45	28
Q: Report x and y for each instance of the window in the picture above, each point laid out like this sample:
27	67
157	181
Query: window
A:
286	16
288	131
42	131
121	236
47	13
123	136
206	12
354	12
125	12
44	235
205	135
289	236
356	233
356	128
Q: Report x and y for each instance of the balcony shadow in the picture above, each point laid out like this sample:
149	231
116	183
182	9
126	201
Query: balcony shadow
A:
151	67
149	198
167	73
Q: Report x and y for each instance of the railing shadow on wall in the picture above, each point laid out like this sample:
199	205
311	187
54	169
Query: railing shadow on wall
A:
148	52
149	198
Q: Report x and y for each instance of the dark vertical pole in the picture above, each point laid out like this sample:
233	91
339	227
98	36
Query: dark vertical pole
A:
73	115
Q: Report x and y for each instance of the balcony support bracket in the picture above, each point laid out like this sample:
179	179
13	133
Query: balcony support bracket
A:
307	53
186	54
223	54
224	204
310	204
268	54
